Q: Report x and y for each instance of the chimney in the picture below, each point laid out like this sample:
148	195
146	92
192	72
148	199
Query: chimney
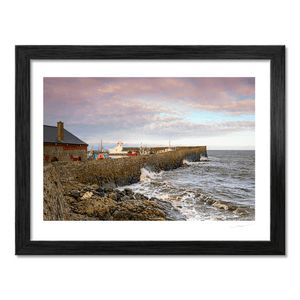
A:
60	131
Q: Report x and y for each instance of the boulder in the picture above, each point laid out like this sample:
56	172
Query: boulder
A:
128	192
112	196
87	195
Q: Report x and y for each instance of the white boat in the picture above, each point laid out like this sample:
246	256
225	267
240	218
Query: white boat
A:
118	150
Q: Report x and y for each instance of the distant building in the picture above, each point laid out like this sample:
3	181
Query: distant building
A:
118	149
61	145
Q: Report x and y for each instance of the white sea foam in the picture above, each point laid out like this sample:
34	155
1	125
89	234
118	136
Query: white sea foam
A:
199	191
164	197
145	174
203	158
187	162
190	163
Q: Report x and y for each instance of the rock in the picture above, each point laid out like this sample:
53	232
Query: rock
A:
241	211
128	192
138	196
86	200
219	205
121	194
87	195
89	210
100	190
88	187
75	193
231	207
115	207
171	213
112	196
210	201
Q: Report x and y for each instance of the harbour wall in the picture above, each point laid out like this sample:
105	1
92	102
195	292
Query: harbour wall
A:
110	173
156	149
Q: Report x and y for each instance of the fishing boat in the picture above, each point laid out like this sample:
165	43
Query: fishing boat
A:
118	150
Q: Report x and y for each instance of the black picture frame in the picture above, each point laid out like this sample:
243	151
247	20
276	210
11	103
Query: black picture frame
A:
23	244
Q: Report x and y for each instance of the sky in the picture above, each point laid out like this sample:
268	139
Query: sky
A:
202	111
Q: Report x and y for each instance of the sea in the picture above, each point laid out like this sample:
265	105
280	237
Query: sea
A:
219	187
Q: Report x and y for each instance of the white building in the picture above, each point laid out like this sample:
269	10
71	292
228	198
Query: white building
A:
118	149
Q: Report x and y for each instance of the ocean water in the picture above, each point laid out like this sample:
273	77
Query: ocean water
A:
220	187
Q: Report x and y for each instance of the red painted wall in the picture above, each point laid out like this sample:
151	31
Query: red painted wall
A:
67	147
64	152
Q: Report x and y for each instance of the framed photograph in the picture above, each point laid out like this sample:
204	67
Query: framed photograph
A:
112	138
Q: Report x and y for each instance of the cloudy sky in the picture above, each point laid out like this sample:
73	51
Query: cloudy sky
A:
216	112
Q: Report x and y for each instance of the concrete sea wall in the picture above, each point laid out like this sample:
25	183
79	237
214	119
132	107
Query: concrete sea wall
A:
156	149
54	204
123	171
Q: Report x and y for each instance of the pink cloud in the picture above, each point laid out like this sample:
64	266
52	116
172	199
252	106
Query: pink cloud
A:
210	94
152	106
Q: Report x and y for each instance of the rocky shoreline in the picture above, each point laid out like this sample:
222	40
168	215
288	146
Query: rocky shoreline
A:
76	201
85	202
89	190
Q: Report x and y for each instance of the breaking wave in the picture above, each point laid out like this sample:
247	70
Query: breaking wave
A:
203	158
209	189
146	174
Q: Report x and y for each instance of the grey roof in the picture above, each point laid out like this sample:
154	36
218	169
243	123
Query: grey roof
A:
50	136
